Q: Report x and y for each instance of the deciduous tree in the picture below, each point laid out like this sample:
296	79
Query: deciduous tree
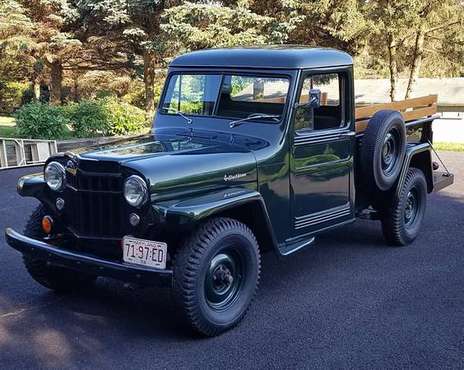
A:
403	30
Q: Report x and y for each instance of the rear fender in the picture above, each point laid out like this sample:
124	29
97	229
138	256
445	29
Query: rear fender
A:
243	204
417	156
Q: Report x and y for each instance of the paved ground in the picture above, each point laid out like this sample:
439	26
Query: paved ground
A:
349	302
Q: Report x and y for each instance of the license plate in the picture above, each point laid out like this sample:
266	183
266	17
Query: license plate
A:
144	252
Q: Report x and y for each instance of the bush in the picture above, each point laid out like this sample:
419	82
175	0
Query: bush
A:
88	118
135	95
105	117
41	121
11	94
124	118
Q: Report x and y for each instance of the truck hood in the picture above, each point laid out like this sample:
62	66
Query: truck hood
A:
177	163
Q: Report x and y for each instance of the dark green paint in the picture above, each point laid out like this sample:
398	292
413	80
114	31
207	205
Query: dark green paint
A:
300	183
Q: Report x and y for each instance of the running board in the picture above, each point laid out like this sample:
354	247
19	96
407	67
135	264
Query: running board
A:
291	247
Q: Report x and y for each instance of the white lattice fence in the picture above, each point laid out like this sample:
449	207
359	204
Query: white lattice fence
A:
25	152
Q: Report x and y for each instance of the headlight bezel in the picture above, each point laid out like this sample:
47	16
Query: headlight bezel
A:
142	197
60	171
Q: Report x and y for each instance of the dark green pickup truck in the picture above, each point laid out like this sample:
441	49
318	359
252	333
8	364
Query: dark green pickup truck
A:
252	149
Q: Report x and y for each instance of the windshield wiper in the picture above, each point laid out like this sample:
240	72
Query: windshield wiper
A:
252	117
174	110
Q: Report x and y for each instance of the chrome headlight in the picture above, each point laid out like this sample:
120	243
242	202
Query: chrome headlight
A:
135	191
54	175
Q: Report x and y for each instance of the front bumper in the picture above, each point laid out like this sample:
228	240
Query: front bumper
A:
86	263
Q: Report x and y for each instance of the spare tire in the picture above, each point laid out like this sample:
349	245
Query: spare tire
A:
383	149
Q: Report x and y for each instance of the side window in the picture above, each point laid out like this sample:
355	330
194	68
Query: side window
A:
330	114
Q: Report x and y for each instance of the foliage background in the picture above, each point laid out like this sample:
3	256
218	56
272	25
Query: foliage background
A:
62	52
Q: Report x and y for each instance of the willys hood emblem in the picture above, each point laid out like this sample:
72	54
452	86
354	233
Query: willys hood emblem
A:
235	176
71	167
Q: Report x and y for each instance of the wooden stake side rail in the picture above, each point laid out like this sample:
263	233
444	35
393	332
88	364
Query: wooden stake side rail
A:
410	109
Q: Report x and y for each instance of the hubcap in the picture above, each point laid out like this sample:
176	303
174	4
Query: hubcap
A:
223	280
410	210
389	152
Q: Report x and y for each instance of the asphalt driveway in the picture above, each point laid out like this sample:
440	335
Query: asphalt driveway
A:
348	302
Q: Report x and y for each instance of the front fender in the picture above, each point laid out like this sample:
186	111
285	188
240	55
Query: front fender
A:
196	208
189	212
31	186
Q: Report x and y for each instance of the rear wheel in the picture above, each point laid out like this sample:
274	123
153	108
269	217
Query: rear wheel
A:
401	222
52	277
216	274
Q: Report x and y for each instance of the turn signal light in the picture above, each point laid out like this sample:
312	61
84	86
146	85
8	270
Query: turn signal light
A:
47	224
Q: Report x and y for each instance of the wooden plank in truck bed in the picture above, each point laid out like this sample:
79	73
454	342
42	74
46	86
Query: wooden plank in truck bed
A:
411	109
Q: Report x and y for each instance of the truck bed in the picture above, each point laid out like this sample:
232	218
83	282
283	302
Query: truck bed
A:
411	109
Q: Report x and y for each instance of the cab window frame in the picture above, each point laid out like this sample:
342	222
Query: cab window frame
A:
343	74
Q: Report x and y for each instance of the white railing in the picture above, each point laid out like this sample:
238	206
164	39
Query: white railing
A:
25	152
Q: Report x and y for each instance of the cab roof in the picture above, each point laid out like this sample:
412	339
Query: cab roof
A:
275	57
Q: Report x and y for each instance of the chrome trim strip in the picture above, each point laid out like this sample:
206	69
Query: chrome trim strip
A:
322	216
321	220
315	138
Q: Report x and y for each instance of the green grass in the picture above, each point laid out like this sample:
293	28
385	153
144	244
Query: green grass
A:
450	147
7	127
7	121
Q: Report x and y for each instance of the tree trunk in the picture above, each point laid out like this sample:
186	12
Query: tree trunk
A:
393	67
149	72
35	84
76	96
36	88
56	80
416	62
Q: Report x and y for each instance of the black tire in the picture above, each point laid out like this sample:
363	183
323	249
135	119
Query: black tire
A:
402	220
52	277
210	300
383	150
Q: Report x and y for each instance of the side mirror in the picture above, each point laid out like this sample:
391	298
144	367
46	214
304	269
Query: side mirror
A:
314	100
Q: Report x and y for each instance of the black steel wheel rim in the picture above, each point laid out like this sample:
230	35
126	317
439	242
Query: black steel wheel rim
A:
390	151
411	208
224	279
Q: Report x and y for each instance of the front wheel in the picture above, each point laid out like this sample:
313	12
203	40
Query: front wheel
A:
216	274
402	220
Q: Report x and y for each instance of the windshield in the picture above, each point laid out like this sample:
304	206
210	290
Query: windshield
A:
225	95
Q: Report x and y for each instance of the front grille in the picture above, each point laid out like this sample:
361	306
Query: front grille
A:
94	205
92	181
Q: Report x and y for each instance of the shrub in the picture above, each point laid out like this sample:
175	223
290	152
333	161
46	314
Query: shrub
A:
88	118
11	94
124	118
135	95
105	117
41	121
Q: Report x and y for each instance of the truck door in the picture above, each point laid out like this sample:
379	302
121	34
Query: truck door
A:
321	160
